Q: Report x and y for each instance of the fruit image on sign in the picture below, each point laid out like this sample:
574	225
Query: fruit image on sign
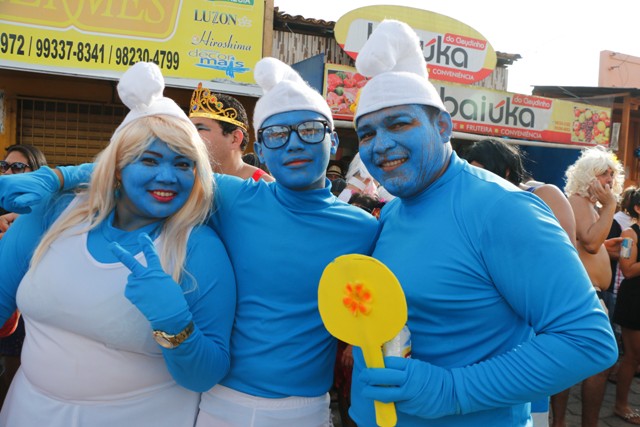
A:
341	90
591	125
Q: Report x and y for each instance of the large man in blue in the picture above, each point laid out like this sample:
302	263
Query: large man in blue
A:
280	236
501	310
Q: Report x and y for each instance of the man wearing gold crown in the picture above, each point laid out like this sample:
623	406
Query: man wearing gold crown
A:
222	123
282	355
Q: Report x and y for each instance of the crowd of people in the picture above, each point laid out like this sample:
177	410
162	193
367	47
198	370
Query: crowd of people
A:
163	297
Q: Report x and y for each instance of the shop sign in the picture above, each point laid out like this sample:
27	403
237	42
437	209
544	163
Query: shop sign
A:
454	51
218	41
511	115
489	112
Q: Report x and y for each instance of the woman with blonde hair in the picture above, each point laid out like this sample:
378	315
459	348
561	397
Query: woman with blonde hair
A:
592	163
128	301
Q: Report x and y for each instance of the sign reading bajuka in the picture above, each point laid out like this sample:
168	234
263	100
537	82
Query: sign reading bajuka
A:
489	112
209	40
504	114
454	51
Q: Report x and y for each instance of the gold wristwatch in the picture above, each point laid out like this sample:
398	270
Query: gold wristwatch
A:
172	341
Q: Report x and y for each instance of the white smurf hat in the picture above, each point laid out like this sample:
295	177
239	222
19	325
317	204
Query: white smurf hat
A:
284	90
140	88
393	59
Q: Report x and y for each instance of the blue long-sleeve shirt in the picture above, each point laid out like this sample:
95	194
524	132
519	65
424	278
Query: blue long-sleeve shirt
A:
279	242
497	296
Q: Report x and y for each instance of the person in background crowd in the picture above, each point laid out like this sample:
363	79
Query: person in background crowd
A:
593	184
334	171
251	159
506	161
621	221
283	356
113	339
627	310
359	180
337	186
19	159
501	310
222	122
368	202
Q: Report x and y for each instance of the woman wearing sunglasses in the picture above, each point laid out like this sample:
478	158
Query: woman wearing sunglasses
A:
22	158
19	159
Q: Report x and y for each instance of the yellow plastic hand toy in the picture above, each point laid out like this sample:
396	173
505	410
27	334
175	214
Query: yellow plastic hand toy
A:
361	303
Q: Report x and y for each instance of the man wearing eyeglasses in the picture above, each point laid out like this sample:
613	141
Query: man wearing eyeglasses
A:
282	355
280	236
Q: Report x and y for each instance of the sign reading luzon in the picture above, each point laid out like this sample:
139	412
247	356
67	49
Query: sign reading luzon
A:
454	51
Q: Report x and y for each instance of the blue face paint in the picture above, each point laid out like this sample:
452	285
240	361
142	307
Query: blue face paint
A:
403	149
298	165
154	186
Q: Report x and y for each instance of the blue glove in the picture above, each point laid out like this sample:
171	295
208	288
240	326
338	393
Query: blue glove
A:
75	175
152	290
417	388
20	191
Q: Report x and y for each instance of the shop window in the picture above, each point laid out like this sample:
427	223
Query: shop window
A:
68	133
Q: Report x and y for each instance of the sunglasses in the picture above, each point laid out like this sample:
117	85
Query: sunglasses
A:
311	132
17	167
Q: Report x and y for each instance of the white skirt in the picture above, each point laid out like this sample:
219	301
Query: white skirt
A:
27	406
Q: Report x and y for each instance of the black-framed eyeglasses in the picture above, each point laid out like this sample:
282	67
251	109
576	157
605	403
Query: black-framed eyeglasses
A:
311	132
16	167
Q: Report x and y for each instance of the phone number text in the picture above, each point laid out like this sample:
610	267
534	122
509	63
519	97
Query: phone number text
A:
67	50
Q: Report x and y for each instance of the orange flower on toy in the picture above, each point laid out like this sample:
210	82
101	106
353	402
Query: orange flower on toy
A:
357	299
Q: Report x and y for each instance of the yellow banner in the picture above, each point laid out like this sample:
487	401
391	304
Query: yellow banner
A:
208	40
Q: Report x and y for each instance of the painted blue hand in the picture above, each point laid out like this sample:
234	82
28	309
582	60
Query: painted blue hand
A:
74	176
153	291
417	388
18	192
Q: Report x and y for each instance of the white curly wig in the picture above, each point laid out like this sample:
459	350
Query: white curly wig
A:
593	162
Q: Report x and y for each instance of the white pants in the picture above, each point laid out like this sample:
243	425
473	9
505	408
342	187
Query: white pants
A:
224	407
540	419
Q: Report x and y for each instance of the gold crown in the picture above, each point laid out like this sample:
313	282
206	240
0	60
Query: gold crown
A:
205	104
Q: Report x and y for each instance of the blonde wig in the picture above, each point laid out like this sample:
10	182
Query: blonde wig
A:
126	145
592	163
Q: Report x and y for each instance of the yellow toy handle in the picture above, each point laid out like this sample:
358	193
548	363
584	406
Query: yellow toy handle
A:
385	412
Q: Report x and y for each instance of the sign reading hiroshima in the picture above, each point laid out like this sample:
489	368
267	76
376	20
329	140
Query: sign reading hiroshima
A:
454	51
